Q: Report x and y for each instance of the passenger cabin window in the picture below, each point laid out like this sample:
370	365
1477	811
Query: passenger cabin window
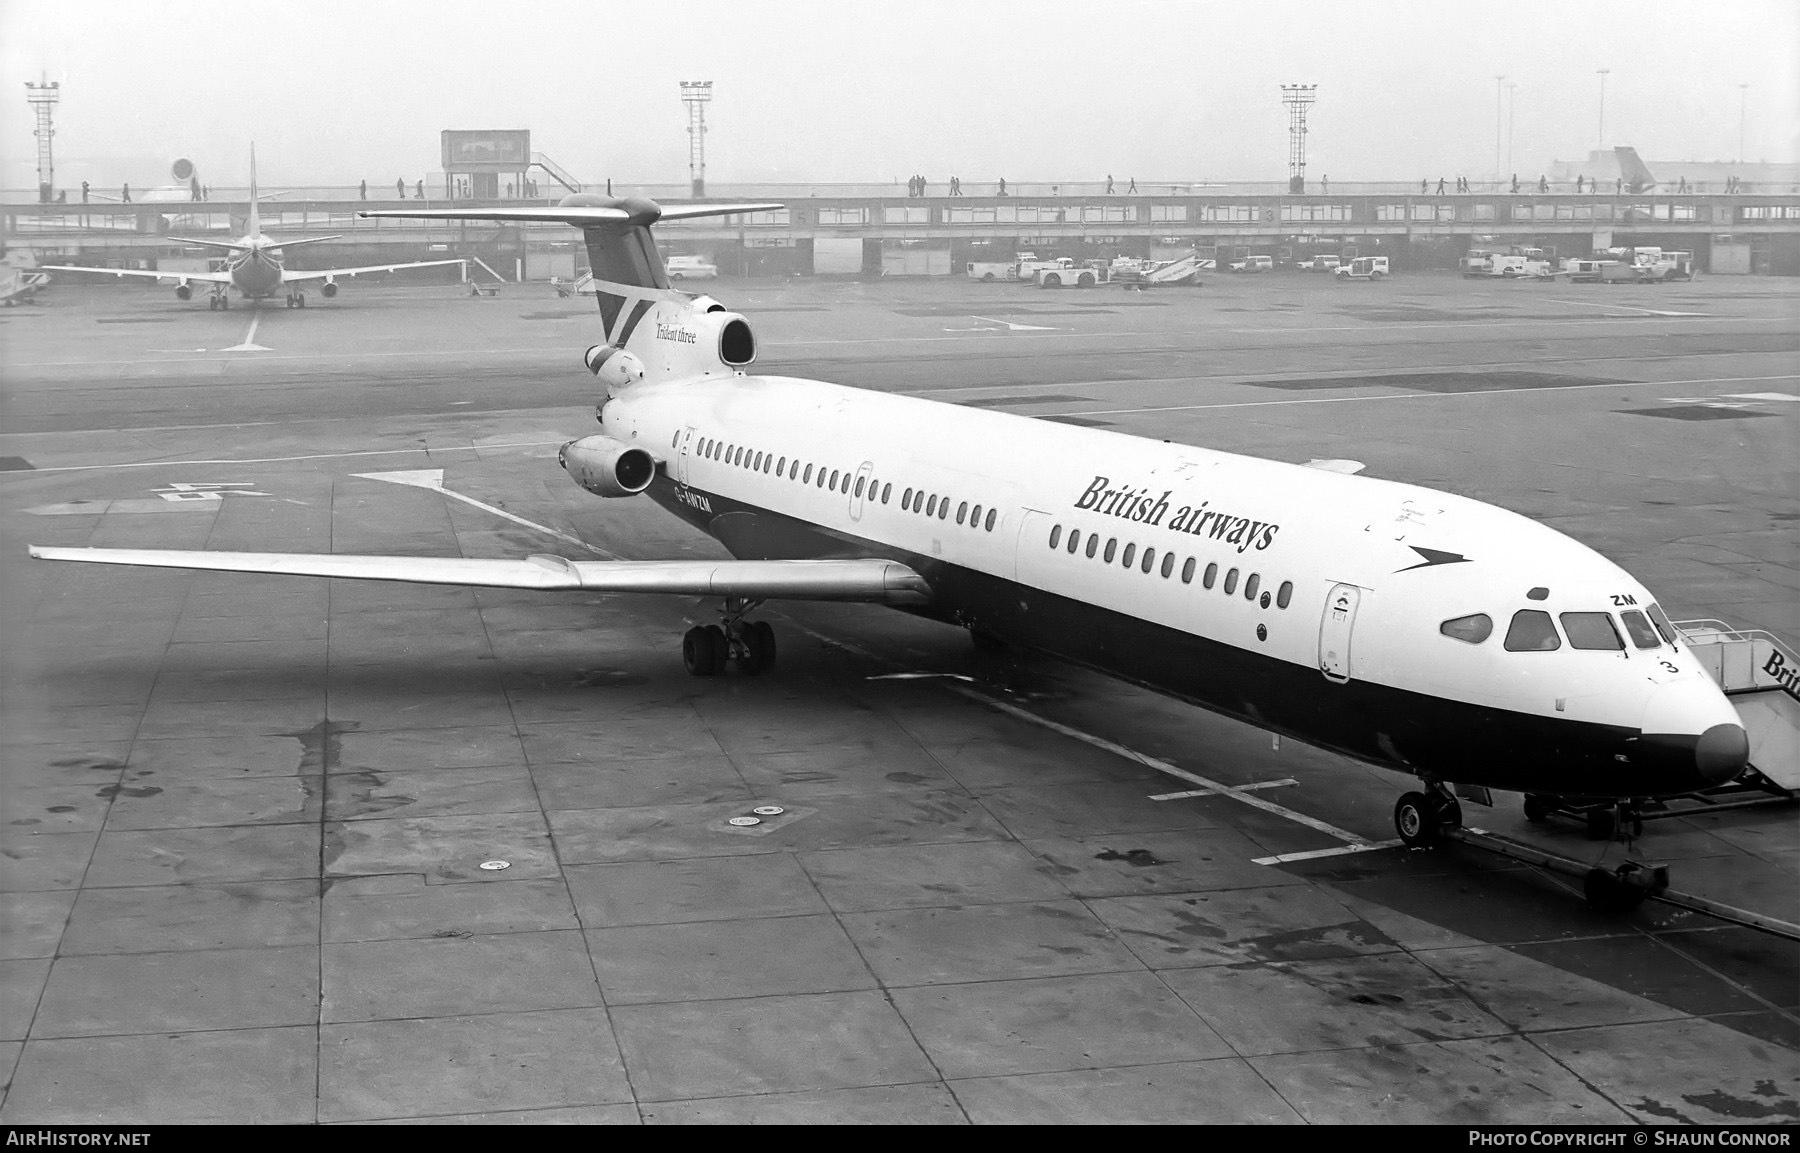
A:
1112	547
1187	571
1531	632
1250	586
1212	574
1055	535
1474	629
990	520
1074	539
961	510
859	486
1642	635
1231	582
1592	631
1286	594
1149	559
1093	543
1168	565
1130	551
887	490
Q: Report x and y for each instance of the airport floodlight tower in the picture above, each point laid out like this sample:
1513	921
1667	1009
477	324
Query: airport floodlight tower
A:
42	97
695	94
1298	98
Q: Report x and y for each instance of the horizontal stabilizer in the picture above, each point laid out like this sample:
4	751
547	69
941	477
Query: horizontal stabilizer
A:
579	215
874	580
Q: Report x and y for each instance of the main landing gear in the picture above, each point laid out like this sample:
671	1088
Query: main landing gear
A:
1421	819
218	300
706	648
296	300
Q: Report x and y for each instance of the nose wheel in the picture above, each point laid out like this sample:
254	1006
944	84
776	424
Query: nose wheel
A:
296	300
705	649
1422	818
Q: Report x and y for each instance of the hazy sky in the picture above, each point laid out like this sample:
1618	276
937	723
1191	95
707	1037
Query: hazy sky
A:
333	91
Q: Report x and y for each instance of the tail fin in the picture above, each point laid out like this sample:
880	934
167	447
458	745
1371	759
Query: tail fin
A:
255	224
628	271
1637	177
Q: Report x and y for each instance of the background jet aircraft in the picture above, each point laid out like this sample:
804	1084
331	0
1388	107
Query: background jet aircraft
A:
254	267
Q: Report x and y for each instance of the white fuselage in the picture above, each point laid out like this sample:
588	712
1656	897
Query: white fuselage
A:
1300	583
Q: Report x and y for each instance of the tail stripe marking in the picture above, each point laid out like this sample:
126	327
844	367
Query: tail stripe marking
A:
637	313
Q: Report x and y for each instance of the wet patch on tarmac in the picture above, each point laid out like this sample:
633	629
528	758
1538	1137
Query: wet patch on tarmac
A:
1695	412
1043	398
1445	383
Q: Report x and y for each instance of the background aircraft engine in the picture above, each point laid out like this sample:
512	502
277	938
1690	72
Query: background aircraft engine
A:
328	289
607	467
615	367
183	292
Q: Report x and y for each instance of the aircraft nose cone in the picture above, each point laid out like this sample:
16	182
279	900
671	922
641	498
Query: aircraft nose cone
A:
1721	753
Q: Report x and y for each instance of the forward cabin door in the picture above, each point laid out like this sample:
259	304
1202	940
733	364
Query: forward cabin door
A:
681	454
1335	629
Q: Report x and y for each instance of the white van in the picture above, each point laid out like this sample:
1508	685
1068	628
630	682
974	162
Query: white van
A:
1253	264
692	268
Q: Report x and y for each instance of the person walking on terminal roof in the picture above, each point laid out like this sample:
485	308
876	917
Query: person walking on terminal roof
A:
125	194
1109	190
362	190
421	189
400	187
1440	190
1002	191
1515	183
1543	183
1132	187
84	192
1324	186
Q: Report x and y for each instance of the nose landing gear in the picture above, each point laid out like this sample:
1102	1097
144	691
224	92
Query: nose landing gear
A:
706	648
1421	819
296	300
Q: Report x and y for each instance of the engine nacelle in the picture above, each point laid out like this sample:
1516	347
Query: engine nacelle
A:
328	289
615	367
607	467
184	291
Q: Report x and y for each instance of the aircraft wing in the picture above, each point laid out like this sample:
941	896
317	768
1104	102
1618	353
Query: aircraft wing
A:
290	276
203	277
874	580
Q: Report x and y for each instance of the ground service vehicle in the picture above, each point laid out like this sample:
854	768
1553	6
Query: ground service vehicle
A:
1363	268
1516	262
1252	264
692	268
991	269
1321	262
1149	274
1067	273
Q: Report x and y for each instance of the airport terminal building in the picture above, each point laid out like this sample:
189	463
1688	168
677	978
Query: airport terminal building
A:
840	230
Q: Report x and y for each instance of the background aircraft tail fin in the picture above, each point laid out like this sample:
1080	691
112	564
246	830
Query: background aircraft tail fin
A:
1637	177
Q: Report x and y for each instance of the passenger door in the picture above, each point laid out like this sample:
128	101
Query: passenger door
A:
1335	629
681	454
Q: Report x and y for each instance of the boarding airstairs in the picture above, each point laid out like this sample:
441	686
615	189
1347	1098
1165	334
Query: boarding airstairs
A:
556	171
1761	675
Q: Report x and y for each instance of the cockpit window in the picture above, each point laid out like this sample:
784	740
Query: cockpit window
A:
1474	628
1661	620
1531	631
1592	631
1642	635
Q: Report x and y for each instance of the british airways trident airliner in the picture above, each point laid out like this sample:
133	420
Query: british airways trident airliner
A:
1415	630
